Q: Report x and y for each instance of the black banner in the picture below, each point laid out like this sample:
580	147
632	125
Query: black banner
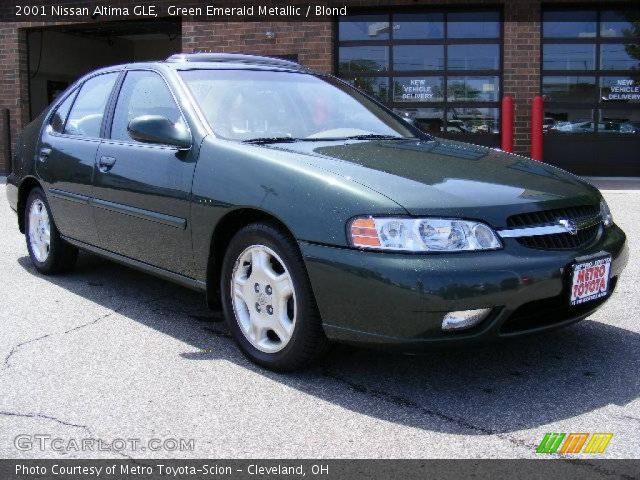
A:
319	469
187	10
47	11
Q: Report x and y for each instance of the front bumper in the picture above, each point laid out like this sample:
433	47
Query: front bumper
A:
400	299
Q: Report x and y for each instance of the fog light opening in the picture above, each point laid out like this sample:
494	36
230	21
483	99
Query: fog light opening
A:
464	319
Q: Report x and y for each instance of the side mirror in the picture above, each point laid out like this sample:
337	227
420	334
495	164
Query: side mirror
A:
157	129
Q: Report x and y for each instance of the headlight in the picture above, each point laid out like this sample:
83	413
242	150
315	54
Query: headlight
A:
422	234
605	214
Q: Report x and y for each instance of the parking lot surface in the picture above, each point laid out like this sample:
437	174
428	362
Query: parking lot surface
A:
108	353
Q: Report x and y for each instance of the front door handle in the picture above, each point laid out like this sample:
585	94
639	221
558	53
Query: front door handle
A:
44	154
105	163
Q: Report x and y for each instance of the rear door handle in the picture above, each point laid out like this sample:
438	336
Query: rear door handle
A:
105	163
44	154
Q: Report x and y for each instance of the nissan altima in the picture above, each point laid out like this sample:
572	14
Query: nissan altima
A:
308	211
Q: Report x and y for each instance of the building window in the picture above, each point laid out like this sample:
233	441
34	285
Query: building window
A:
443	69
591	71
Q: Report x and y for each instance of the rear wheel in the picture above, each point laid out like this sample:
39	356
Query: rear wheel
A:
49	253
268	302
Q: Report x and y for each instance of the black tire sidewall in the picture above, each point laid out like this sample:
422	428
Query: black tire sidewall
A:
307	319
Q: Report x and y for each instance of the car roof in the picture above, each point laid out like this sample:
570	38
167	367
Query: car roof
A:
233	58
207	61
191	61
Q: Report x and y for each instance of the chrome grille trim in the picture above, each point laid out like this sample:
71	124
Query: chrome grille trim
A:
548	229
532	231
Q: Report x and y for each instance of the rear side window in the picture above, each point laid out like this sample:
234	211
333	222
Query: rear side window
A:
143	93
86	115
58	118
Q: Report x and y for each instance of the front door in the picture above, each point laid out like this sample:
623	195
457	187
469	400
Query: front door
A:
142	191
66	156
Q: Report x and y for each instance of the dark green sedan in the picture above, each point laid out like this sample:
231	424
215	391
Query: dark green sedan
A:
308	211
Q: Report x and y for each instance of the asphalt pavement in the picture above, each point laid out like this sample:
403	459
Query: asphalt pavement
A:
113	355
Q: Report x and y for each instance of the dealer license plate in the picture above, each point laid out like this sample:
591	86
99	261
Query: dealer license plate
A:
590	280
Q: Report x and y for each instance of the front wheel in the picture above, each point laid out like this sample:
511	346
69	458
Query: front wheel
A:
49	253
267	300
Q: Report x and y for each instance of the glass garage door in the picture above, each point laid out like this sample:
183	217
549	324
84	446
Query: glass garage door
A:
440	68
591	86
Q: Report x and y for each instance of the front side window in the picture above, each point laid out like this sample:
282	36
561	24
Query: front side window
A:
248	105
60	116
87	113
143	93
441	69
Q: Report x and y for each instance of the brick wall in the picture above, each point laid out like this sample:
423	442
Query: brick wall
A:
10	92
521	65
313	43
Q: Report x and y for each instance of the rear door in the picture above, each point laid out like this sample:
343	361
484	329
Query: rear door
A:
142	191
66	156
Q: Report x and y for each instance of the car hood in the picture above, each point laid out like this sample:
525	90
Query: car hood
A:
448	177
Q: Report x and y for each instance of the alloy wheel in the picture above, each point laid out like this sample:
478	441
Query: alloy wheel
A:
39	230
263	298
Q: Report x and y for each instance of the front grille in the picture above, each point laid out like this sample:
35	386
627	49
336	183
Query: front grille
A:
550	311
558	241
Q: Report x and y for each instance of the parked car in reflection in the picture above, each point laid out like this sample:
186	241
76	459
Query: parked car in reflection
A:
630	127
548	123
574	127
607	126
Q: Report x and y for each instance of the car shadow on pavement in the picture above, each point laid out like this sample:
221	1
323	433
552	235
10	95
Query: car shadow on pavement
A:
492	389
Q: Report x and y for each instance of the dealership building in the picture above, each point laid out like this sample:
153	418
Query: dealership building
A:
447	65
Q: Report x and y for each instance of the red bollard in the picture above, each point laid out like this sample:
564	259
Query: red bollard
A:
507	124
537	116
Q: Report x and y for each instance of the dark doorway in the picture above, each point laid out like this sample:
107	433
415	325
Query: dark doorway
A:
57	56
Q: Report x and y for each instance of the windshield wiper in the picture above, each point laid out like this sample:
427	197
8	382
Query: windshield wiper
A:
264	140
375	136
368	136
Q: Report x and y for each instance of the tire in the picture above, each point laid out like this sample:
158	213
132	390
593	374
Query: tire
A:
48	252
266	295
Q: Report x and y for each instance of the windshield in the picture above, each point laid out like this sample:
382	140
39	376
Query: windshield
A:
251	105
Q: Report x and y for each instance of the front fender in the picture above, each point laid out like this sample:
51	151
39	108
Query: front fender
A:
314	204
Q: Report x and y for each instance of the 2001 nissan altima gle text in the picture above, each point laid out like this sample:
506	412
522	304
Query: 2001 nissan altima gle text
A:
307	210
